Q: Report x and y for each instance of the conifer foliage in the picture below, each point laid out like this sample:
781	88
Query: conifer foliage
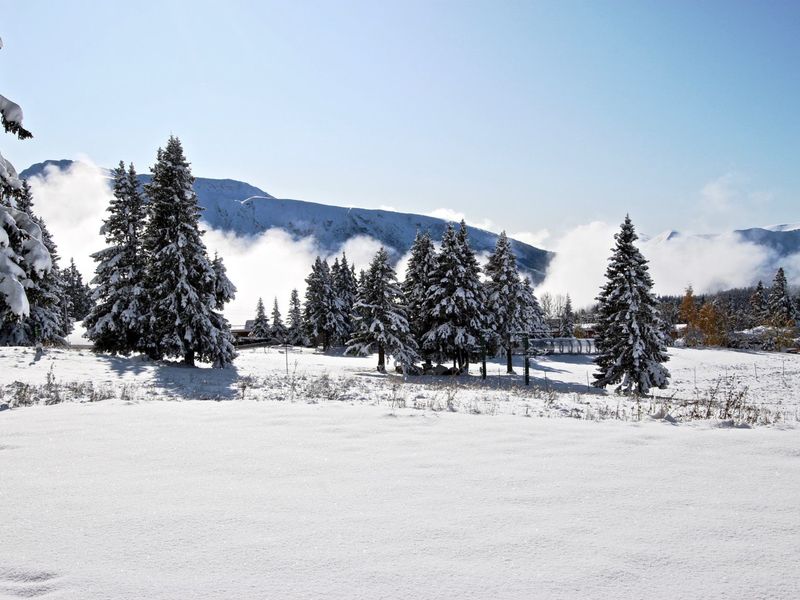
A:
503	296
277	330
294	335
185	292
759	306
22	250
260	328
780	305
48	321
417	282
630	335
455	301
380	317
116	320
324	315
567	325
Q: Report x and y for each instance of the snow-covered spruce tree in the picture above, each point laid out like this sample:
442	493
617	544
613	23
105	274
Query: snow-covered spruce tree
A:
531	321
380	317
260	328
22	251
277	330
455	301
48	321
182	286
344	281
417	282
780	304
503	296
759	305
79	293
114	323
294	334
567	328
323	315
630	335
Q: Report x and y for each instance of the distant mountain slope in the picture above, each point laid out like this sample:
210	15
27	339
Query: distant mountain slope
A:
241	208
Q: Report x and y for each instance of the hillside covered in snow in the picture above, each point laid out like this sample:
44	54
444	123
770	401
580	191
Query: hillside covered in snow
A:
238	207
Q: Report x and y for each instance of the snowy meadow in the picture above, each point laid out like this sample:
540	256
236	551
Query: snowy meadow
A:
337	482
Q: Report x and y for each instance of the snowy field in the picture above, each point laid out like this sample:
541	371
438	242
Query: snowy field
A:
341	492
769	382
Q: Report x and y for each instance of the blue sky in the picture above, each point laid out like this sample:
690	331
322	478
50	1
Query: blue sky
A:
533	115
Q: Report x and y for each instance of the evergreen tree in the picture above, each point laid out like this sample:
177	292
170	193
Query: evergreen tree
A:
346	286
503	296
759	305
567	326
381	319
294	334
260	327
182	287
418	280
79	293
22	251
455	301
48	321
323	315
780	303
530	318
277	331
630	337
114	323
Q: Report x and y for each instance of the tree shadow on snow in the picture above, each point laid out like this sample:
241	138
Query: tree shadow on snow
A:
176	380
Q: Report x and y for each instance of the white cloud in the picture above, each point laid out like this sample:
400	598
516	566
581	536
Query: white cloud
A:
709	264
534	238
73	203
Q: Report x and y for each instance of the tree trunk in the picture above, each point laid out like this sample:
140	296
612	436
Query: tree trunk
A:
509	364
188	358
381	359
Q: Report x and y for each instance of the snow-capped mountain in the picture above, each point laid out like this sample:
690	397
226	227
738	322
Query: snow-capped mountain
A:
246	210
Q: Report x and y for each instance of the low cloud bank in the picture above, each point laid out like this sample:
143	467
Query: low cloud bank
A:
708	263
73	203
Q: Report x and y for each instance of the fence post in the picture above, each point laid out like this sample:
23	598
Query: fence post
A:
483	360
527	362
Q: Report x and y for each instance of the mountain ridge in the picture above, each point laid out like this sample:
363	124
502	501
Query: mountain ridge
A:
235	206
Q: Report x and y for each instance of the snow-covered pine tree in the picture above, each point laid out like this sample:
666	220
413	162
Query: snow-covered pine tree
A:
79	293
323	315
294	334
22	251
260	327
759	305
380	317
567	328
115	321
455	301
531	320
48	321
180	281
277	330
780	304
346	285
503	296
630	334
417	282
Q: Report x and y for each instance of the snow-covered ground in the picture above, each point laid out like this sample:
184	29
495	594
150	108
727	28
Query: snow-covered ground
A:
165	500
558	383
340	492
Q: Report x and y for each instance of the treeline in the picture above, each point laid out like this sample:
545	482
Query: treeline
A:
446	309
740	318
